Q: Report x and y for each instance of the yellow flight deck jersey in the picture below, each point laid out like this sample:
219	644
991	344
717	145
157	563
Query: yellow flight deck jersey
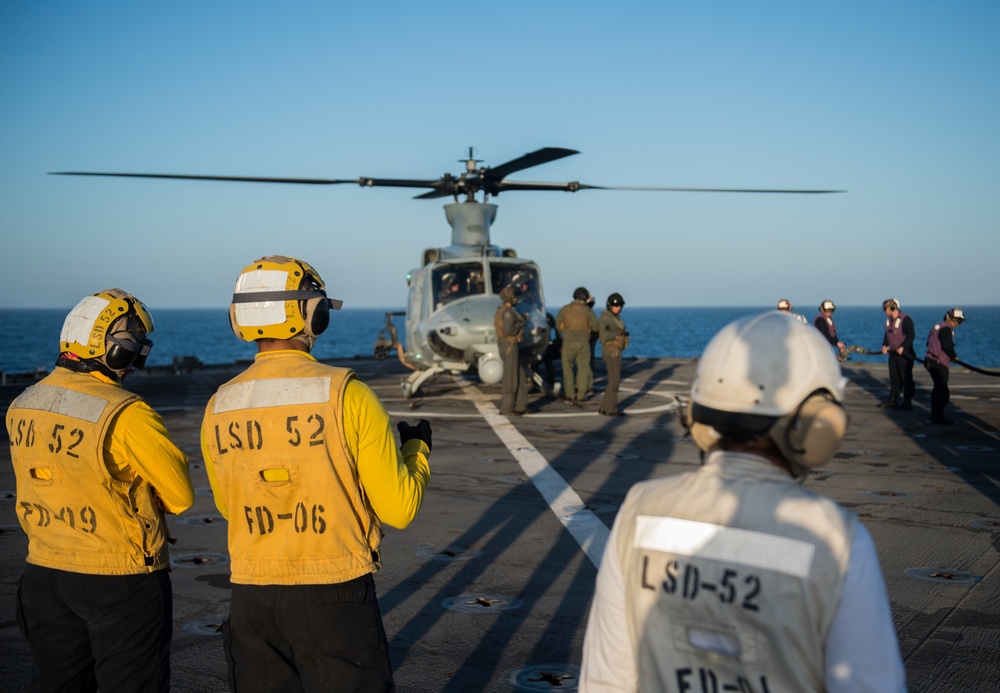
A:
304	465
95	470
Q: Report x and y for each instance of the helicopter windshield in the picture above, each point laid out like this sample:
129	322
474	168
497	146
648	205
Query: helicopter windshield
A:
524	278
456	280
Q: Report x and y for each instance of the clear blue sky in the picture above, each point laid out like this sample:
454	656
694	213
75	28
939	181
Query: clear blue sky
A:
896	102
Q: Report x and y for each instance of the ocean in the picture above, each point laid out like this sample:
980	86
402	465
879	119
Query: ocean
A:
29	338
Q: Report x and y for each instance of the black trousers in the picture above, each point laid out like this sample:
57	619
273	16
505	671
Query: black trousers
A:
940	395
900	377
96	631
285	638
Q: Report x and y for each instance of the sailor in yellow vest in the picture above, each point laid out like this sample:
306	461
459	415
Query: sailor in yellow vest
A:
303	463
734	576
96	471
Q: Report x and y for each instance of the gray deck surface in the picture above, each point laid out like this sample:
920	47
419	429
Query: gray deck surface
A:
489	588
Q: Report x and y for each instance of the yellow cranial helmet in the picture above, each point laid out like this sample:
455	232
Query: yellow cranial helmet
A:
109	327
279	297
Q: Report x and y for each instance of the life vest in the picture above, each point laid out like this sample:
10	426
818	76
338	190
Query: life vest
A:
828	327
297	511
614	340
894	335
732	577
934	351
575	321
78	517
517	325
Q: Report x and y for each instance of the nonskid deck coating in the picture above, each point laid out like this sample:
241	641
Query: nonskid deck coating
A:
488	541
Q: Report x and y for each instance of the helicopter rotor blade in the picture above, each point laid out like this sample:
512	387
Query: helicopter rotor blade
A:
726	190
436	183
433	194
569	186
536	158
240	179
573	186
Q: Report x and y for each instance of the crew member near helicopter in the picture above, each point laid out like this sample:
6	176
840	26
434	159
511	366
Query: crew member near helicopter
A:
95	601
898	343
594	338
575	322
733	576
510	329
302	461
552	351
614	340
940	354
828	328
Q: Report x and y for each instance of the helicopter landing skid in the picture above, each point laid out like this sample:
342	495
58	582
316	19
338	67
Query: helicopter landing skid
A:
417	378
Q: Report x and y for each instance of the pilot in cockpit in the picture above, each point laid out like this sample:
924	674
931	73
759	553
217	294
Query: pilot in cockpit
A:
450	288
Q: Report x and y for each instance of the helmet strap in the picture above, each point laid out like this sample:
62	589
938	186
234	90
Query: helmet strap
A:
77	365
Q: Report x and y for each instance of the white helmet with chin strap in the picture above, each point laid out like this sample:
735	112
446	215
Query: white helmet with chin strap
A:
771	375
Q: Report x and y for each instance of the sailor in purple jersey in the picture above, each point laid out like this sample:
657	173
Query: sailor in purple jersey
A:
898	343
828	328
940	354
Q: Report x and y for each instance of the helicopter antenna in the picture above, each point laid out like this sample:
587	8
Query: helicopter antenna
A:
470	163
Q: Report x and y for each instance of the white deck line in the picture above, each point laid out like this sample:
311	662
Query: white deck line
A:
584	525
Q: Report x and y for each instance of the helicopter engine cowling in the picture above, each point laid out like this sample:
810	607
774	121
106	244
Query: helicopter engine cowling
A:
490	369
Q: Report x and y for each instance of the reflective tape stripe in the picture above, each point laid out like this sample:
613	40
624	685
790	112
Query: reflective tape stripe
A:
60	400
79	324
720	543
273	392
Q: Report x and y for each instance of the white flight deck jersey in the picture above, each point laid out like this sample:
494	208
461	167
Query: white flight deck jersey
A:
732	577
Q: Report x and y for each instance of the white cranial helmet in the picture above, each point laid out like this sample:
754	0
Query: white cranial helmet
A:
771	374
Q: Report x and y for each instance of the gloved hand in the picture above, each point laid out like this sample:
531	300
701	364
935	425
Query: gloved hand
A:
422	431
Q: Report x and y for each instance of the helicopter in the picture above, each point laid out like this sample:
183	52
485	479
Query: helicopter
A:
453	294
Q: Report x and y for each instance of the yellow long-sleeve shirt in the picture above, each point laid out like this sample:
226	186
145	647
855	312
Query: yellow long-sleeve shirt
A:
139	446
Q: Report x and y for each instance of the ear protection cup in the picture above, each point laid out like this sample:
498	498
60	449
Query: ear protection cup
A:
126	345
316	315
703	435
810	435
120	358
123	354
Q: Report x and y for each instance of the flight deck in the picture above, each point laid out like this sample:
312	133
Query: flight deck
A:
489	588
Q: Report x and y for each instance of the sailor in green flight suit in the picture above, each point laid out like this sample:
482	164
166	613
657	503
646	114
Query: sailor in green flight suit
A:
575	322
614	340
510	329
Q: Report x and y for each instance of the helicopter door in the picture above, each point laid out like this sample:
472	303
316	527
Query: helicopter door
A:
417	310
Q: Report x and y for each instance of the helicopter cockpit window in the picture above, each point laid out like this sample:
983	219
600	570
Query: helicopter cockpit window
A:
524	278
452	281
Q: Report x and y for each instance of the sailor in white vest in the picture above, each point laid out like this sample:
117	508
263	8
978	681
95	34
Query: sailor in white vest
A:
734	576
